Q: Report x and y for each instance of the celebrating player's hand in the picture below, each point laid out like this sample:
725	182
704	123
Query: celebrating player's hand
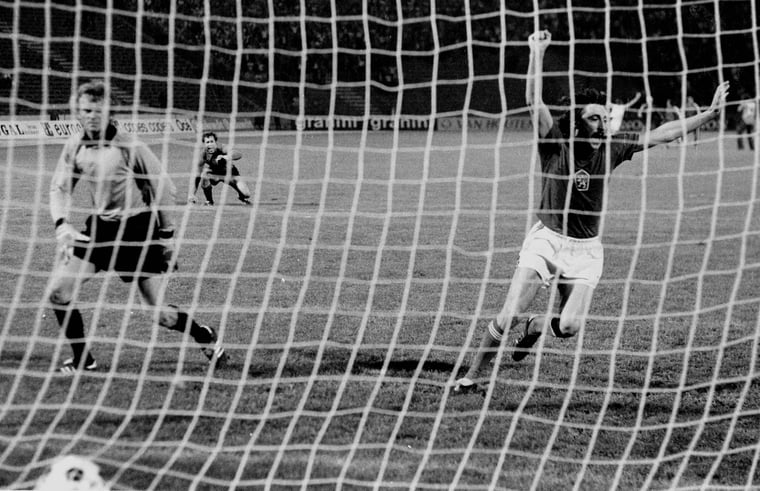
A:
539	40
719	99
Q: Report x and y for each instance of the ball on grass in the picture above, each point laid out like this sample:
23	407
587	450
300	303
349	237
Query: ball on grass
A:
179	383
72	473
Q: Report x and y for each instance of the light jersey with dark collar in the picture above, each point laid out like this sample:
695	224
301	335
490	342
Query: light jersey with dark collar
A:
585	179
123	175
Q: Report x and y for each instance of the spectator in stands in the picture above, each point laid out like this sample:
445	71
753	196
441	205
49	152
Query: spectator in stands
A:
746	122
6	81
250	73
691	108
671	113
647	110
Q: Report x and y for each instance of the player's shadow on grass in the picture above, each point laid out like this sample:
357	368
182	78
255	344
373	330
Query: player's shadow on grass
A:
335	361
407	367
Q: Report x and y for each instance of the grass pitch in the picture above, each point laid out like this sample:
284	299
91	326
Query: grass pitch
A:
345	296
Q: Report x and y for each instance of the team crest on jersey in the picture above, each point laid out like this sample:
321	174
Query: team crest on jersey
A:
582	180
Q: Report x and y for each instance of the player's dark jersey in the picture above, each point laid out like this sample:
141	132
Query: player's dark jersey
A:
584	179
215	166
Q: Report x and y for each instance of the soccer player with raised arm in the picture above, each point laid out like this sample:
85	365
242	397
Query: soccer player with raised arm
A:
215	166
563	249
130	230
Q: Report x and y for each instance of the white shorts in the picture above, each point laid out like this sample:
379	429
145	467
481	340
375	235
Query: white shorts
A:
552	254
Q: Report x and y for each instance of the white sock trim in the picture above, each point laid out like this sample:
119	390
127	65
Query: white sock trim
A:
494	332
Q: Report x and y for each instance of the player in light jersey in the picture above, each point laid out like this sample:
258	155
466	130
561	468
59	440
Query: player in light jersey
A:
130	230
617	113
215	166
563	249
746	123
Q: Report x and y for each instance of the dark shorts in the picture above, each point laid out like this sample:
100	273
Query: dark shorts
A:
132	250
741	126
218	173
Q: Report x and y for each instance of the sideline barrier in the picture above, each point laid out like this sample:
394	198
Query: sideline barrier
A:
63	128
13	130
217	124
524	123
479	123
354	123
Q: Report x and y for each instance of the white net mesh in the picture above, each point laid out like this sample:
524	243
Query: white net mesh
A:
393	175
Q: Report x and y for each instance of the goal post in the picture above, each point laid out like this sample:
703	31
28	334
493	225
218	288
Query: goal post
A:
393	173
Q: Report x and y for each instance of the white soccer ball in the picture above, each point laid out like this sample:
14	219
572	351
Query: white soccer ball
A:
72	473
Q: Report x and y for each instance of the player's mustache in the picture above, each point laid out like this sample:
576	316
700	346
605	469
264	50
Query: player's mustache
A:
599	134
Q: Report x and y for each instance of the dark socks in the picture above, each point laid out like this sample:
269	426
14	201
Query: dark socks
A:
209	194
74	330
201	335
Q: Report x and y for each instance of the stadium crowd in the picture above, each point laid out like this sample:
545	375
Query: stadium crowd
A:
352	41
676	37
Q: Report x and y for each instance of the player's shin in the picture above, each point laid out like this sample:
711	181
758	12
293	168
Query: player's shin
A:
489	346
244	194
184	323
70	319
208	193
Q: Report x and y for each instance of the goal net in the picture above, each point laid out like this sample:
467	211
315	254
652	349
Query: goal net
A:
393	174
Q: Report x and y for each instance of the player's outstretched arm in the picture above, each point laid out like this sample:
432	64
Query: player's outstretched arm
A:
675	129
61	187
538	42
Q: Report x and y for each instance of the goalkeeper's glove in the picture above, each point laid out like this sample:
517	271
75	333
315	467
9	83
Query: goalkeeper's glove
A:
192	199
66	235
166	239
